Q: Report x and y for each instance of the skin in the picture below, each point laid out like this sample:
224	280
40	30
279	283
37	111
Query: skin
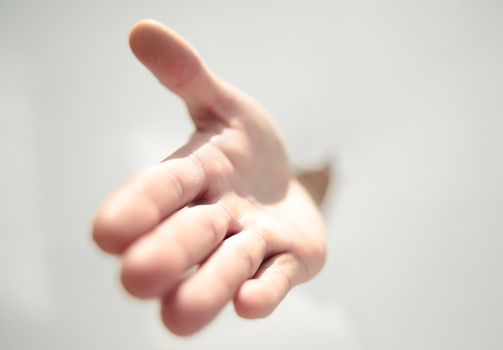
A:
223	218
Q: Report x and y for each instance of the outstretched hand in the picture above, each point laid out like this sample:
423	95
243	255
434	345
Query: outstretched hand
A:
223	218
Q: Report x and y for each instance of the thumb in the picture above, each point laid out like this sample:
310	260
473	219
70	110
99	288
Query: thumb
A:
178	67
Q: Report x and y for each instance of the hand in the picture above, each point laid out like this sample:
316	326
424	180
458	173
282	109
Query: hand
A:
223	218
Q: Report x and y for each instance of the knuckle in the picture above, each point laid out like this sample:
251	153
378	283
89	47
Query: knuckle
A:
210	227
246	257
176	186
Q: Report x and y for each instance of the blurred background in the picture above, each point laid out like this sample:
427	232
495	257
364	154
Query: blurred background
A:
405	97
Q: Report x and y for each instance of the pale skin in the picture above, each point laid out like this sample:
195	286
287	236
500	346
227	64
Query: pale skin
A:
223	218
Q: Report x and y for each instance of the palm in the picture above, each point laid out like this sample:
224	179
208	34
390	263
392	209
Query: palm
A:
226	203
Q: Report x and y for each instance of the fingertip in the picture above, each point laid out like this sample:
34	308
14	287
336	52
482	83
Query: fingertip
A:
137	271
186	311
120	220
165	53
255	300
146	268
145	22
106	231
142	28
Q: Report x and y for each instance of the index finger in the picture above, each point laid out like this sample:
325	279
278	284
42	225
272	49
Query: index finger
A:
146	200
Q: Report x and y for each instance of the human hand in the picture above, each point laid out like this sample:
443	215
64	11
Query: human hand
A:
223	218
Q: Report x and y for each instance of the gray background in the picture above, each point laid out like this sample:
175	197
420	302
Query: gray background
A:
405	97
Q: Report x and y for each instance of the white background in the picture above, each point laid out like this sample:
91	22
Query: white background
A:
406	98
